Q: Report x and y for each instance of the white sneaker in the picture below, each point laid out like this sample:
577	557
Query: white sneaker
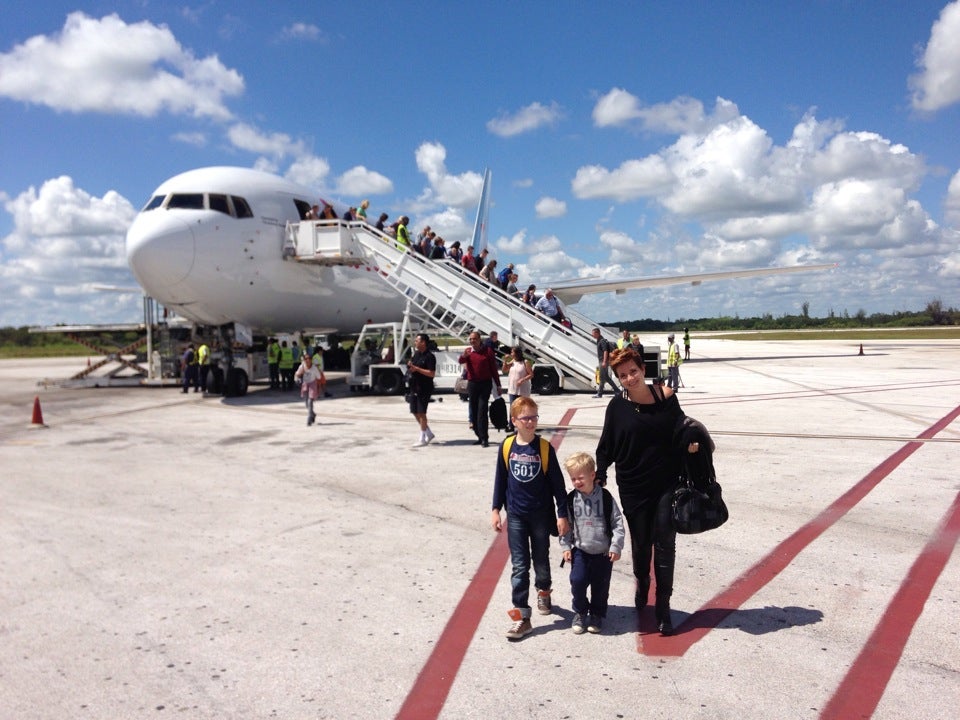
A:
428	436
420	443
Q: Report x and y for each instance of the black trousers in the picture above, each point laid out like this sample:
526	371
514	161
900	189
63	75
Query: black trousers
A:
652	536
478	398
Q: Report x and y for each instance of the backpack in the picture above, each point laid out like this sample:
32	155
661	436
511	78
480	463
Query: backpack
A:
607	510
544	451
503	276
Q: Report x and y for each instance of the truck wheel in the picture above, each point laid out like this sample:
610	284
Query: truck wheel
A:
389	382
545	381
236	383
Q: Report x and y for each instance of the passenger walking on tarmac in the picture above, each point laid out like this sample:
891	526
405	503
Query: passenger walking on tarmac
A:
203	366
686	343
318	361
422	367
593	544
309	376
286	366
482	373
528	483
273	363
188	368
604	349
638	438
519	372
673	363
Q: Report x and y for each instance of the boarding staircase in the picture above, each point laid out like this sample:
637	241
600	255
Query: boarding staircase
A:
447	296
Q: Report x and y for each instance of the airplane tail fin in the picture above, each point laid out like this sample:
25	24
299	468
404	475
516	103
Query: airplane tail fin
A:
483	211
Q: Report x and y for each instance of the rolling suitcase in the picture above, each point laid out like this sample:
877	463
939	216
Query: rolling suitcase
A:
498	414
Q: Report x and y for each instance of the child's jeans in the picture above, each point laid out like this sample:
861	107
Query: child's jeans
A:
529	538
593	572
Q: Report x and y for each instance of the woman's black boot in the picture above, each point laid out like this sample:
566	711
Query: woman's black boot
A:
664	623
642	593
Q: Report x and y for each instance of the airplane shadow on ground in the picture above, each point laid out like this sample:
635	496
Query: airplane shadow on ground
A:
755	621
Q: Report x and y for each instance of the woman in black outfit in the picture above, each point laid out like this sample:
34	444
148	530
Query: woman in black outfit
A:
638	438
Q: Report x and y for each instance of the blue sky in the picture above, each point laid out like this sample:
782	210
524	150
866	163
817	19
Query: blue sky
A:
625	139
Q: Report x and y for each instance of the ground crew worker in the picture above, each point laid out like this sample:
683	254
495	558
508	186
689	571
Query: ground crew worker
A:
686	343
286	366
673	363
624	340
273	362
203	361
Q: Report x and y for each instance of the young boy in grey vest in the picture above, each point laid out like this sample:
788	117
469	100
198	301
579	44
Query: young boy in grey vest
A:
593	544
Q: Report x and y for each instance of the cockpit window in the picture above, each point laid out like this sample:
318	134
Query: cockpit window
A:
189	201
219	203
155	202
242	207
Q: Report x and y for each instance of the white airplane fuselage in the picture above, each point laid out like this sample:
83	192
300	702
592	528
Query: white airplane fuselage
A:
216	266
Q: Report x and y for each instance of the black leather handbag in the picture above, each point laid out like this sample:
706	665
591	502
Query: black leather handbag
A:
698	507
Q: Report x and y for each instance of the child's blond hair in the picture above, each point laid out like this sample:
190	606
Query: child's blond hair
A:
521	405
580	461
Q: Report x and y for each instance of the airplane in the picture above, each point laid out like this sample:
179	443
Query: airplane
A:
208	245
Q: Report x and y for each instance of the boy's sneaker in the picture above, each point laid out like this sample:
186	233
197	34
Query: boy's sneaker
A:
577	624
595	625
521	626
428	436
544	606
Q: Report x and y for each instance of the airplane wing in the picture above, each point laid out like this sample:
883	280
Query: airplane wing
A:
570	291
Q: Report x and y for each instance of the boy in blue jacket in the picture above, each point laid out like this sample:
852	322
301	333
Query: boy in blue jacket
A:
528	483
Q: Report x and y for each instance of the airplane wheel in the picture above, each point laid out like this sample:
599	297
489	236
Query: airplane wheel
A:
545	381
215	381
237	383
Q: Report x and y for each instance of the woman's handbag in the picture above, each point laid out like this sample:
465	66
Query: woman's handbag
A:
698	506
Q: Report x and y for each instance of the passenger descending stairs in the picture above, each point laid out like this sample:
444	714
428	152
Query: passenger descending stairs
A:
447	296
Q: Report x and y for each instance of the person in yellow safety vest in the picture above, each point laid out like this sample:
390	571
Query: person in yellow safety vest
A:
624	340
286	366
273	363
203	359
318	361
673	363
403	235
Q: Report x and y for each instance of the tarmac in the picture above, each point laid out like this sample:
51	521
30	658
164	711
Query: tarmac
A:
165	554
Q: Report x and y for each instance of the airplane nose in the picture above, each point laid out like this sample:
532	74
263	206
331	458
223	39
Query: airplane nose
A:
160	250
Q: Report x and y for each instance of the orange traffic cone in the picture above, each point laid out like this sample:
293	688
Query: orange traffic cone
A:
861	349
37	420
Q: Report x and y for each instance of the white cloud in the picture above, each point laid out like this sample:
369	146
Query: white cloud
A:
302	31
310	170
526	119
108	66
681	115
64	242
358	181
548	207
277	145
952	203
634	179
622	247
937	85
197	139
460	191
523	183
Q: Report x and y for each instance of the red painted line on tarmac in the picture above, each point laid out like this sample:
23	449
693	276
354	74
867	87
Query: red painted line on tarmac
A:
429	693
701	622
860	692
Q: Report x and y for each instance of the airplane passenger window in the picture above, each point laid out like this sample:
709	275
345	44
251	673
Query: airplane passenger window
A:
189	201
241	206
155	202
219	203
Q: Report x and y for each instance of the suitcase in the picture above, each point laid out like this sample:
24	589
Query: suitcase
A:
498	414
